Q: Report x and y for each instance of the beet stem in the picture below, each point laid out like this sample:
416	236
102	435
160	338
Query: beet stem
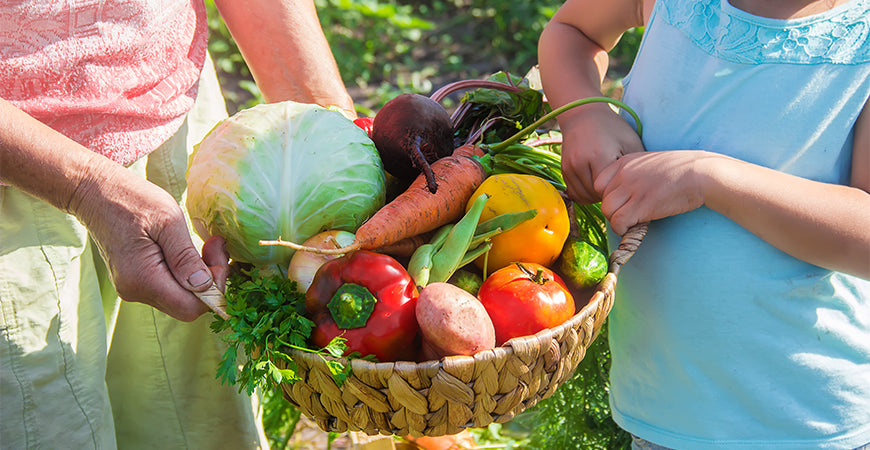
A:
440	94
552	115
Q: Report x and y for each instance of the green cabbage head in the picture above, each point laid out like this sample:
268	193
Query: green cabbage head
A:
288	170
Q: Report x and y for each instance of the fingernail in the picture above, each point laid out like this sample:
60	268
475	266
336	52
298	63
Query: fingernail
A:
199	278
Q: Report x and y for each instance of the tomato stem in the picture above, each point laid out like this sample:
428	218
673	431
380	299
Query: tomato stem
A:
537	276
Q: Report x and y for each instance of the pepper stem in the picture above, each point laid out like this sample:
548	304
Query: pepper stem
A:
351	306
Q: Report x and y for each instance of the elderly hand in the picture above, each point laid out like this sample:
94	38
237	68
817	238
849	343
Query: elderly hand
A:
142	235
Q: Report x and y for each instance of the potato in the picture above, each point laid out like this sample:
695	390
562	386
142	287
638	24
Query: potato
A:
452	322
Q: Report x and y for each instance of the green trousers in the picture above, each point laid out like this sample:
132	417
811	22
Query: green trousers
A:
79	368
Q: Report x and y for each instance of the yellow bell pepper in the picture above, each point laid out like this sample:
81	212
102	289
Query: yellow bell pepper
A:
539	239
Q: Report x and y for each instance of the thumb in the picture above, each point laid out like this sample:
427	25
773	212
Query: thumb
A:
183	260
214	253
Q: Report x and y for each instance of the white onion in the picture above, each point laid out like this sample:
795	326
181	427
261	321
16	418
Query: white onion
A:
303	265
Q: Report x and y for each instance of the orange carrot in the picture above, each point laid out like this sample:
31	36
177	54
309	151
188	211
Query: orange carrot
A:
405	247
468	150
417	210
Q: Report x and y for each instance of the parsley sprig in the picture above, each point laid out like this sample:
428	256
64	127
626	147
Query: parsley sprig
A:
266	318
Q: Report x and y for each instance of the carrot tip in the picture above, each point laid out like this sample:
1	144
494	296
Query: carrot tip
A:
303	248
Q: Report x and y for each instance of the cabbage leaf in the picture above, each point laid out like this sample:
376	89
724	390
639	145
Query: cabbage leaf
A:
288	170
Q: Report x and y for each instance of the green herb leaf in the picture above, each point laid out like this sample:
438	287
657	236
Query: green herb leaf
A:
336	347
265	318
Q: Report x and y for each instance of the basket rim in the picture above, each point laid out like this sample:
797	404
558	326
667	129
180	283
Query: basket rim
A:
596	302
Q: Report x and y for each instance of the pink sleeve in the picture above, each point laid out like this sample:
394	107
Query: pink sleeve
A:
117	76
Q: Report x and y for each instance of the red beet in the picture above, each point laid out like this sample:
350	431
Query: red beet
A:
410	132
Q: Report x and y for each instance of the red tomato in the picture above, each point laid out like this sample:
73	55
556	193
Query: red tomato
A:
524	298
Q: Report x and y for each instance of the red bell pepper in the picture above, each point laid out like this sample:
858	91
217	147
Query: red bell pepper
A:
369	299
366	123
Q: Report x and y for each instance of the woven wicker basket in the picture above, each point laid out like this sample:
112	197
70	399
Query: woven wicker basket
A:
436	398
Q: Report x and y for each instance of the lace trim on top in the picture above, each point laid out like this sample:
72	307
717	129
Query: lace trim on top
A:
839	36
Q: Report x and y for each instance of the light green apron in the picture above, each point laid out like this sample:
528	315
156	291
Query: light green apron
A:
81	369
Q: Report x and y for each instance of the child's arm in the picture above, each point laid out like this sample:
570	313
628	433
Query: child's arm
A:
572	55
824	224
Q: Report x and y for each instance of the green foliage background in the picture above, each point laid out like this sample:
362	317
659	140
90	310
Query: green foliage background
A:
386	47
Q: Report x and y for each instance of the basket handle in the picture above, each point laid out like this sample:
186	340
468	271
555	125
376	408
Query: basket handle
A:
627	246
215	300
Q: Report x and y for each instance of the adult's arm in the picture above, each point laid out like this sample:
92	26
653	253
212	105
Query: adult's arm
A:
284	46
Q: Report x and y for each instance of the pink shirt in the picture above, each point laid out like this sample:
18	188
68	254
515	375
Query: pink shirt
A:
117	76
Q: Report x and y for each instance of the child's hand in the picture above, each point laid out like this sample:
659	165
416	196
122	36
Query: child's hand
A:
652	185
593	138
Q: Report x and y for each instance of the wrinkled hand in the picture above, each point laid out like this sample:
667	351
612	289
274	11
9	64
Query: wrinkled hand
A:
143	236
593	138
652	185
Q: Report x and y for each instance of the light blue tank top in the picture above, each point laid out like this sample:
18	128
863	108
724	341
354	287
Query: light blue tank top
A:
720	340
